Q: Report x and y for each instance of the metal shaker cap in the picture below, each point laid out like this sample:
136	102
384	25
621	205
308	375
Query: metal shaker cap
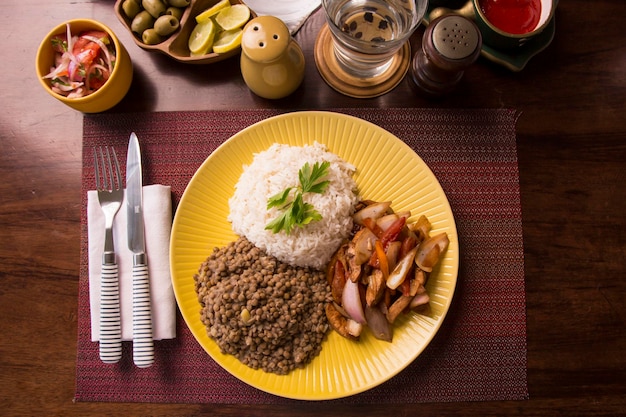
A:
456	37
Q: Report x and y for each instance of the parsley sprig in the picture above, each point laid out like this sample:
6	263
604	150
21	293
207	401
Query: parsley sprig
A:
295	212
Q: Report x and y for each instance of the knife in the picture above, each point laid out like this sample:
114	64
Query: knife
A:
143	346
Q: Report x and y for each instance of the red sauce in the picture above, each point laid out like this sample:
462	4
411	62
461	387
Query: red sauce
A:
512	16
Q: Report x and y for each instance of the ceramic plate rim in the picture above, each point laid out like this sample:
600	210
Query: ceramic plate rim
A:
193	318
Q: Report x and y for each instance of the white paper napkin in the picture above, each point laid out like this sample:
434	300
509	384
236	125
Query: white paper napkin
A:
292	12
157	205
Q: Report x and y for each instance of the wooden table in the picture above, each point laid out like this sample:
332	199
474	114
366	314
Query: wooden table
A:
571	147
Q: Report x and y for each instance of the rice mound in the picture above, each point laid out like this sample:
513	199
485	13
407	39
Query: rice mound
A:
275	169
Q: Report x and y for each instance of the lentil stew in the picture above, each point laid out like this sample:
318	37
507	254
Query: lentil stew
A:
268	314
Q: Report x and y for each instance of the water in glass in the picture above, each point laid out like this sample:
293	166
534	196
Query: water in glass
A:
368	33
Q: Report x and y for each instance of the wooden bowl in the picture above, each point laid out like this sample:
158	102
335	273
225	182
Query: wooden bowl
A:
176	45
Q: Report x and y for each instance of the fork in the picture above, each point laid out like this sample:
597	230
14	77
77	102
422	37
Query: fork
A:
110	196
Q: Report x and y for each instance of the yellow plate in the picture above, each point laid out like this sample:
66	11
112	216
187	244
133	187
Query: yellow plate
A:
387	169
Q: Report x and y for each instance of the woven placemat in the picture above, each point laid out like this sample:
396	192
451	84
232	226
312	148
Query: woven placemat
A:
480	351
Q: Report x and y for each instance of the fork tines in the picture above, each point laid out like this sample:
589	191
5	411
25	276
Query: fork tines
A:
102	156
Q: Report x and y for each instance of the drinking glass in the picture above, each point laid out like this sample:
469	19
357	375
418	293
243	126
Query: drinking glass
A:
366	34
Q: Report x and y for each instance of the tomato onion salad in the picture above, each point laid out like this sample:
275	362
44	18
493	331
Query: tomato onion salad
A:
82	63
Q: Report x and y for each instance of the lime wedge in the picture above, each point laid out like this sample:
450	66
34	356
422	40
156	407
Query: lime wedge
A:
205	15
227	41
201	38
233	17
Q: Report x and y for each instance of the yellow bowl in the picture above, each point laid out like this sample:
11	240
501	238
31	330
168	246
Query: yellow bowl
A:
107	96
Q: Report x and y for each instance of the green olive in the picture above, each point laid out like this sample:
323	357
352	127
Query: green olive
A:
142	21
179	3
131	8
177	12
166	25
151	37
155	7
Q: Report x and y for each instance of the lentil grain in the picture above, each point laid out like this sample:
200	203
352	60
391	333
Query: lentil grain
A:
282	306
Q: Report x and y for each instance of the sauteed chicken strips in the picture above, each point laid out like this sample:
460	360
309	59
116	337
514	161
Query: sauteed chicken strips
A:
382	271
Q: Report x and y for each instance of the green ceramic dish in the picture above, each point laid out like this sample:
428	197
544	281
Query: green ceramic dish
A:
513	56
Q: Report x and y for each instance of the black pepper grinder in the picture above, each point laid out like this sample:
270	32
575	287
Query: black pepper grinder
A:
450	44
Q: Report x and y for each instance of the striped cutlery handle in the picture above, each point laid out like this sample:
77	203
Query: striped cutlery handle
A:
110	324
143	345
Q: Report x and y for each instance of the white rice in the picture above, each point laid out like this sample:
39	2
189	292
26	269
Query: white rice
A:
271	172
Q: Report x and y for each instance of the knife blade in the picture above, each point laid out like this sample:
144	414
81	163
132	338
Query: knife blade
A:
143	346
